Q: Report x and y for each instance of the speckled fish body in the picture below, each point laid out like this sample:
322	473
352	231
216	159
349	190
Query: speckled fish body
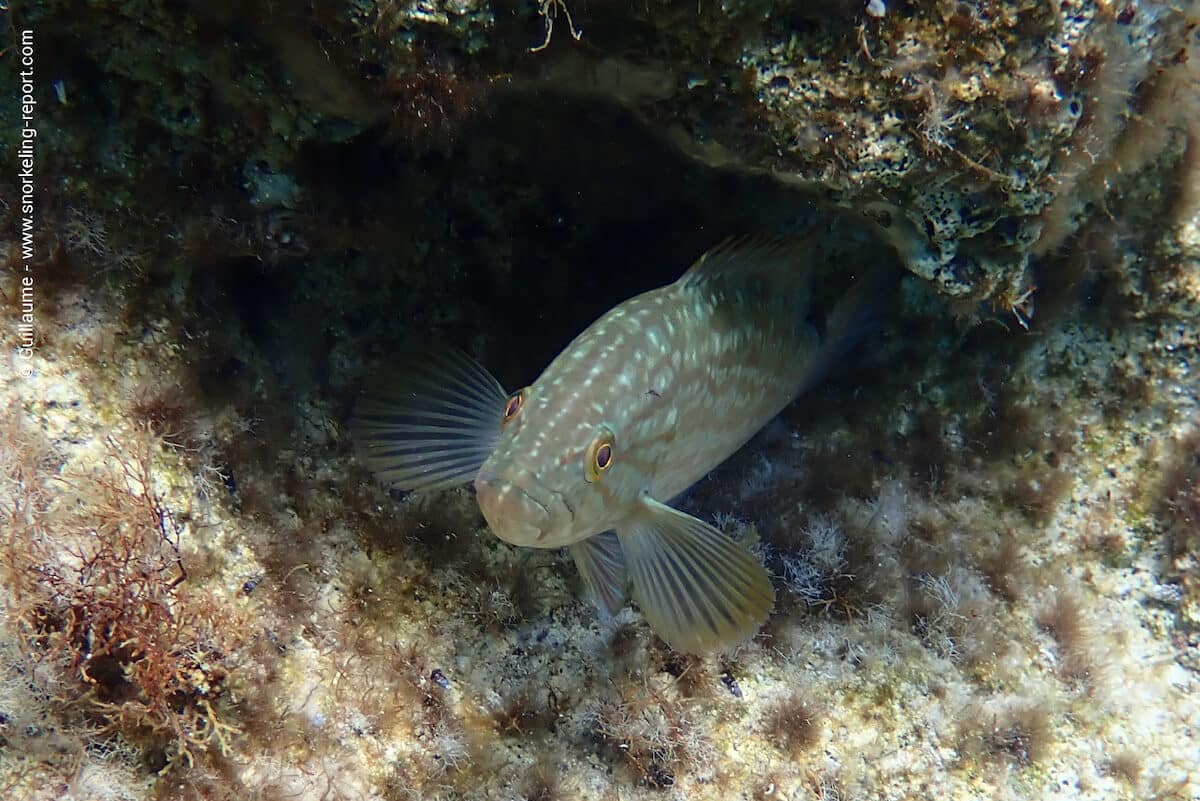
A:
683	375
647	400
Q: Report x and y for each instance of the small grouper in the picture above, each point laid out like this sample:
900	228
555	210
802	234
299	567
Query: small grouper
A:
641	405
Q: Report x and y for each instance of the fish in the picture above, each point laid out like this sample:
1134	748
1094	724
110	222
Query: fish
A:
642	404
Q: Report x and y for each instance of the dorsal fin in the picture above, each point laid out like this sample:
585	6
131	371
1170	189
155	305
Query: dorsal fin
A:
737	258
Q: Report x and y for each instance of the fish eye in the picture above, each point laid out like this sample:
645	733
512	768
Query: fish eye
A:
513	406
600	454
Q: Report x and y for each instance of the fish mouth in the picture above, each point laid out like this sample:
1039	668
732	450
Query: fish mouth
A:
518	513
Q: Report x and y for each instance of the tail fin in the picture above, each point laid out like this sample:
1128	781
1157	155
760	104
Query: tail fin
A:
859	313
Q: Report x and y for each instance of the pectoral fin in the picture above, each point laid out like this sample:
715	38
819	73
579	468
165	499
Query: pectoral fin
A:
430	422
602	566
700	590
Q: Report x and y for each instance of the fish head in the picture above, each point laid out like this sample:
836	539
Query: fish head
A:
555	476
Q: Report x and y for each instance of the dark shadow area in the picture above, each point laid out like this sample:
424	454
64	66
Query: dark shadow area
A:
549	211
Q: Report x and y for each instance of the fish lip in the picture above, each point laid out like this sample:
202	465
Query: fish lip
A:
490	477
553	498
545	509
552	503
566	505
520	534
